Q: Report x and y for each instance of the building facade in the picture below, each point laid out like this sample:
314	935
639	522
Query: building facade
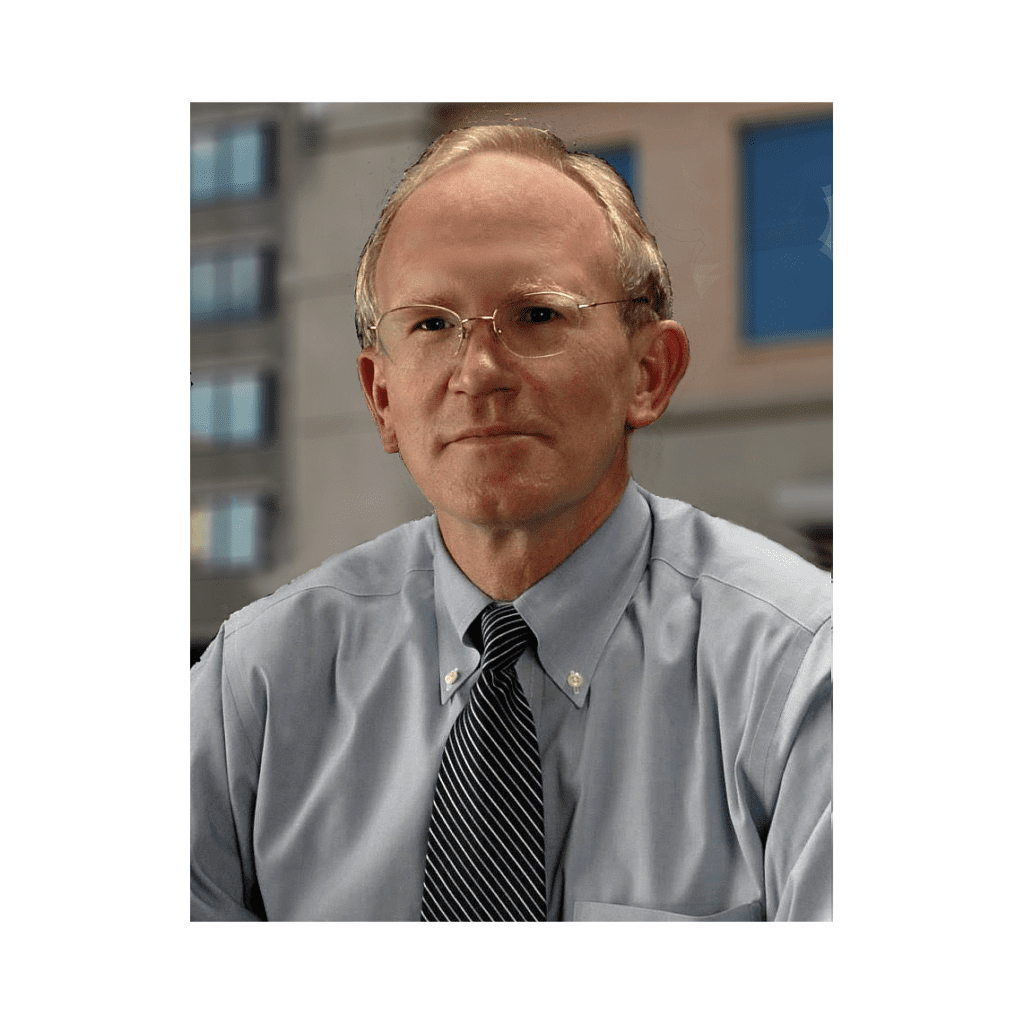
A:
287	468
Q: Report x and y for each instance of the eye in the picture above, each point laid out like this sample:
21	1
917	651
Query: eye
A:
432	323
538	315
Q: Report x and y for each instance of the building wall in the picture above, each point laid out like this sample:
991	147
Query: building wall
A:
347	491
259	342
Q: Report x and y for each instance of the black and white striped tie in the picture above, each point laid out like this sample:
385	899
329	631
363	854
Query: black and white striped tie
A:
485	846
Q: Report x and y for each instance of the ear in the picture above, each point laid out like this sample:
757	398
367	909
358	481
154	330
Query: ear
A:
663	354
373	378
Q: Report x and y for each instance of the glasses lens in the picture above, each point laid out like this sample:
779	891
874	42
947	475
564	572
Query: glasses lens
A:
415	335
539	324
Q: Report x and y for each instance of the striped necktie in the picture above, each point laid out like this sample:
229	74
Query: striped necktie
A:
485	845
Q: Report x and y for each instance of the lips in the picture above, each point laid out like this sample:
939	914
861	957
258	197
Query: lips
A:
492	432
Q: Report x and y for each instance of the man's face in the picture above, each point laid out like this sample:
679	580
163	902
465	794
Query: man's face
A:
494	440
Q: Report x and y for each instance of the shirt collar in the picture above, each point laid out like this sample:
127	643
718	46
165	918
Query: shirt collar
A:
572	611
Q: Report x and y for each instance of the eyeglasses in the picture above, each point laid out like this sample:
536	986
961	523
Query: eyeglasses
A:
534	326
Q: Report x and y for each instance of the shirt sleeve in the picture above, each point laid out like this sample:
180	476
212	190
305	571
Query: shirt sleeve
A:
224	776
798	847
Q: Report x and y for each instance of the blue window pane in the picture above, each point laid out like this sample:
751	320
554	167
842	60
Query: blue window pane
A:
220	415
202	410
230	408
204	151
228	532
242	551
204	290
228	286
223	175
245	409
623	160
244	285
230	163
246	161
220	534
787	197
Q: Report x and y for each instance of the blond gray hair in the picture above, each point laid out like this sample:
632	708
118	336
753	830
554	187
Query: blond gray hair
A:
640	268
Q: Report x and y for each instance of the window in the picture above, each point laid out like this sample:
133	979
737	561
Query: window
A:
234	285
233	162
230	532
787	200
623	159
232	407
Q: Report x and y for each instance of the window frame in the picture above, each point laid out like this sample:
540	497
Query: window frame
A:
226	189
221	436
222	259
219	506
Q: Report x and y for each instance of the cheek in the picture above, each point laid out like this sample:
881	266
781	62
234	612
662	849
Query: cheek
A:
599	392
413	410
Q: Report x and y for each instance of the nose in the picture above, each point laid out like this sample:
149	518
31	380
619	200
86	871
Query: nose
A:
482	363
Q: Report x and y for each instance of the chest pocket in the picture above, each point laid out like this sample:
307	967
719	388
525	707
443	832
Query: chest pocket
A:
585	911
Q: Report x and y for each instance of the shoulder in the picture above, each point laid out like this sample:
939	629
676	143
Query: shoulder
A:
736	565
363	577
289	650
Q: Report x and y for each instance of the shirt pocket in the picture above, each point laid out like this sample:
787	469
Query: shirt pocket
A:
586	911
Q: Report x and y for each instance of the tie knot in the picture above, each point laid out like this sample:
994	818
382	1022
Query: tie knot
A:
506	635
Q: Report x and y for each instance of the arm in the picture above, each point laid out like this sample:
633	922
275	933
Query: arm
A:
224	776
798	848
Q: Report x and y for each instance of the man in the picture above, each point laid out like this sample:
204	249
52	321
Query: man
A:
647	733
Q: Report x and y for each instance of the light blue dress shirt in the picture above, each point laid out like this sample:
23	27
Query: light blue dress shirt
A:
682	691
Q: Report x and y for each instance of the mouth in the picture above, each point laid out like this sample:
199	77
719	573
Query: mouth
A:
492	434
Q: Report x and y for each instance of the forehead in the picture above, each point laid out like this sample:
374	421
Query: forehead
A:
500	216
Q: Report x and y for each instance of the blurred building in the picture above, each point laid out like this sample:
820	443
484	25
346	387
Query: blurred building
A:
287	468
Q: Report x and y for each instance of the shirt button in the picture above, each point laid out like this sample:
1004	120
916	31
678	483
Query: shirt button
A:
451	677
575	680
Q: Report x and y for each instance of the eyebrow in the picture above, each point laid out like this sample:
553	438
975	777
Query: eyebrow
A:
517	291
539	285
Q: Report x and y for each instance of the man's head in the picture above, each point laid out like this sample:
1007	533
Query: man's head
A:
495	439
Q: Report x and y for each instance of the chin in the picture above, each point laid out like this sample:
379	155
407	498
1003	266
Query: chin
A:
498	513
506	505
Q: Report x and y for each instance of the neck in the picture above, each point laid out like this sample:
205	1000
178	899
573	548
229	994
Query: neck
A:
506	560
